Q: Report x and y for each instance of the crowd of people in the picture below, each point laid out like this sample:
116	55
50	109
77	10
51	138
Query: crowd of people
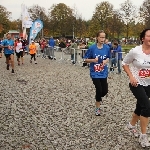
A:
100	52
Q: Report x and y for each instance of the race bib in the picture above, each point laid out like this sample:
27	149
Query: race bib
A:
10	47
144	73
98	67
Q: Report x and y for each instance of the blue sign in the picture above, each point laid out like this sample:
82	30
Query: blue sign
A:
35	29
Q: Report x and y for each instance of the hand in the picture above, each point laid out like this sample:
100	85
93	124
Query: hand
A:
133	81
96	60
112	51
104	62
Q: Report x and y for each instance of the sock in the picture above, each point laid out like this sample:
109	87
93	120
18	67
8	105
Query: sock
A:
130	126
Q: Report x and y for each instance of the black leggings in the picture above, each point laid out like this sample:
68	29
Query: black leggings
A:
33	56
101	86
142	94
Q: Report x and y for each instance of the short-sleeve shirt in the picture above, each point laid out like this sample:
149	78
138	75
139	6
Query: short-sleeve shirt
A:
32	48
10	44
97	70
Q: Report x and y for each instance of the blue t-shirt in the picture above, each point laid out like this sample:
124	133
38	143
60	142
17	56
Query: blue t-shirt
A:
10	44
97	70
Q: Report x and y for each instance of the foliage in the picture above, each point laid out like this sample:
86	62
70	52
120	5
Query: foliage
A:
4	20
145	13
61	20
128	13
38	12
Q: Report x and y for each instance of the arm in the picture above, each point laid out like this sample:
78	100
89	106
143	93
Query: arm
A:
3	45
88	57
127	70
91	60
125	64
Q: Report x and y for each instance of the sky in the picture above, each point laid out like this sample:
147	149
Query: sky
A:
85	8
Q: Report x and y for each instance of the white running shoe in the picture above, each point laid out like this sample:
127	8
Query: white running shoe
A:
132	130
143	140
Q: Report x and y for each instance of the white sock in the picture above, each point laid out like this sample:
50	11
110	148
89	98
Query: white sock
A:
130	126
143	134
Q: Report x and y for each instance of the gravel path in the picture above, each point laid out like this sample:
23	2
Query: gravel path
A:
50	106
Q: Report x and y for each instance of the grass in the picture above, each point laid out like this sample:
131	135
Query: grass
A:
126	48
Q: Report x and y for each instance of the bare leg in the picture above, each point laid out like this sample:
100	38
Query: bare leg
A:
144	123
12	61
97	104
134	119
22	60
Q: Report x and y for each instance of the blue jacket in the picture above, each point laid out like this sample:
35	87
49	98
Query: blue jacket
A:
118	50
51	42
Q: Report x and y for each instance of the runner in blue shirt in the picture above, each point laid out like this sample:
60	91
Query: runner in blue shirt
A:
8	45
98	56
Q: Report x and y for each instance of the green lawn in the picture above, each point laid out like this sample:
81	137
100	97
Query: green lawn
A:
126	48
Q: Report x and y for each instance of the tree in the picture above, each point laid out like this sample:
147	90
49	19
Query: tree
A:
4	20
128	12
16	25
61	19
145	13
116	25
102	12
37	12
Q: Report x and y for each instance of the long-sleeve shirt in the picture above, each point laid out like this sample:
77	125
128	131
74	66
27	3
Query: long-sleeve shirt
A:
117	52
139	64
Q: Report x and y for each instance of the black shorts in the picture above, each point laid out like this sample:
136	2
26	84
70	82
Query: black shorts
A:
21	53
8	55
0	50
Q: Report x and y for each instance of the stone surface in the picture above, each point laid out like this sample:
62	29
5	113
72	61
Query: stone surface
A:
50	106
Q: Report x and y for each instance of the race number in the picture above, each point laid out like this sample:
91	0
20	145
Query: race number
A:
144	73
98	67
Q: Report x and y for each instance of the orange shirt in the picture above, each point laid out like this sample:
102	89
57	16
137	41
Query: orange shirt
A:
32	48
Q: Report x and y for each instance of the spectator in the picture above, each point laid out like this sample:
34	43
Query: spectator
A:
51	45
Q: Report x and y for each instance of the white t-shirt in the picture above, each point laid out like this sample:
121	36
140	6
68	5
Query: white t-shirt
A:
19	47
139	65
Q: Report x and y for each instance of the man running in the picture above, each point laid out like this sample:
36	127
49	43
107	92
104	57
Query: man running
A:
8	45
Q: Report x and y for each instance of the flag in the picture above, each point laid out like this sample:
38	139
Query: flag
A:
26	20
35	29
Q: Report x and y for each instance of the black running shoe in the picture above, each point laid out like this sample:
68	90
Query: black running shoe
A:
7	67
12	71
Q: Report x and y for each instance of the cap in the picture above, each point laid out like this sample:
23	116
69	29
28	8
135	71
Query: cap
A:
19	39
32	41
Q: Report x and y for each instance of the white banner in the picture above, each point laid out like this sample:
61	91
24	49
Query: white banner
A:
26	20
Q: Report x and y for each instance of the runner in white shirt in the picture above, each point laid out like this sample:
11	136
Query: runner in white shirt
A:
19	51
137	66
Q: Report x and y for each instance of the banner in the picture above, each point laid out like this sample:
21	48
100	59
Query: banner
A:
35	29
26	20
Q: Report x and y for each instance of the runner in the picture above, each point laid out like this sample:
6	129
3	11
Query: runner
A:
32	50
24	45
19	51
98	56
8	45
139	78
